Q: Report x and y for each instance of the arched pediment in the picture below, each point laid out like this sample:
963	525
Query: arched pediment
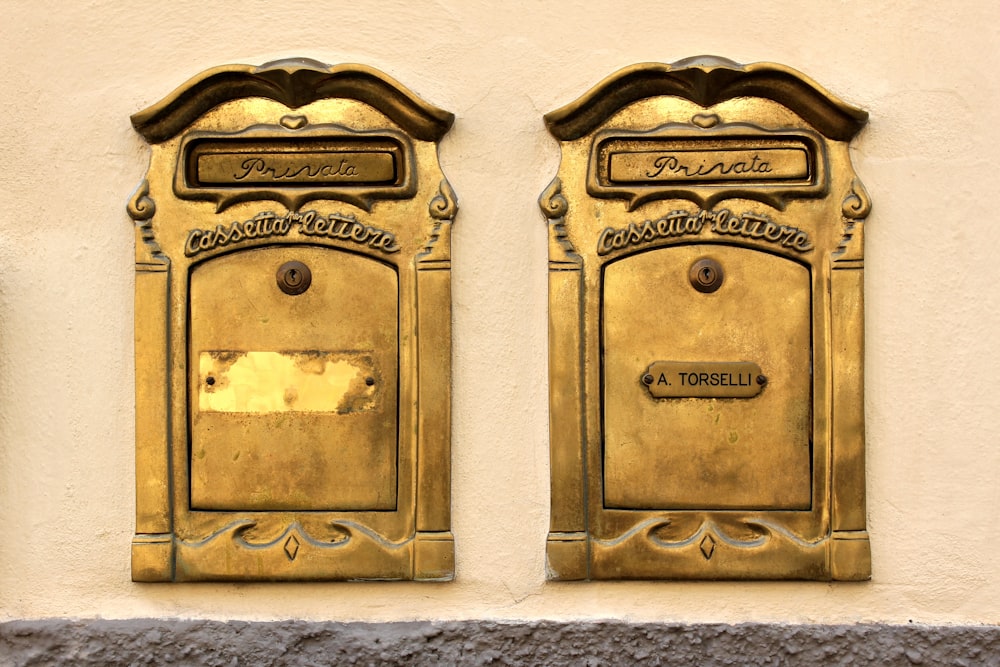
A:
708	80
294	82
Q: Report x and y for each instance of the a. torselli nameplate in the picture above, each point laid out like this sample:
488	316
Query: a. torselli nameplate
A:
691	379
706	328
293	338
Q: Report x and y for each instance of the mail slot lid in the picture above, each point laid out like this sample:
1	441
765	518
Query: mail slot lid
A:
720	446
293	397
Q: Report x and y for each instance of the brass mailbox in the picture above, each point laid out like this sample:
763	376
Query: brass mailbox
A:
706	328
293	329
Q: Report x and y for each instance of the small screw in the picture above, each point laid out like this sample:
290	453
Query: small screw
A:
761	380
369	381
647	379
210	380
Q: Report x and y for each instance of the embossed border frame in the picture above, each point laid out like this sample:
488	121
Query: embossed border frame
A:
585	540
414	542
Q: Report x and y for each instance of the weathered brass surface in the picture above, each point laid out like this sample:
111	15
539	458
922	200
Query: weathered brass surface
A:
293	330
706	328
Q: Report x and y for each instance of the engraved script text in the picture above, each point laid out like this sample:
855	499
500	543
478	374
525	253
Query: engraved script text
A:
260	166
733	161
308	223
673	165
683	223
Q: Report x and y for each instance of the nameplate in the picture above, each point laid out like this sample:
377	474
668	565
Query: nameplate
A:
704	379
720	161
734	162
685	165
262	163
284	163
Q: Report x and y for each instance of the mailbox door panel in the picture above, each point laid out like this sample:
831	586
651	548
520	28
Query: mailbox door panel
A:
721	452
293	397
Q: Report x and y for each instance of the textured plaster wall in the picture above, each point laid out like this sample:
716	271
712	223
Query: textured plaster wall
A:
72	72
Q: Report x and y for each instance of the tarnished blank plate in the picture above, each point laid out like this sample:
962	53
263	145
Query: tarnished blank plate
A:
281	382
707	453
341	382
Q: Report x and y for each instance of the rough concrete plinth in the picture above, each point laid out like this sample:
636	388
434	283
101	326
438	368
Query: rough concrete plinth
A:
229	644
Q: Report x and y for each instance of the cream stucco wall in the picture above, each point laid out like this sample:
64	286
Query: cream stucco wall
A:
71	73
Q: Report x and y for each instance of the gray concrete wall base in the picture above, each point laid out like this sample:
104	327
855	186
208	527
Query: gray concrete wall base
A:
232	644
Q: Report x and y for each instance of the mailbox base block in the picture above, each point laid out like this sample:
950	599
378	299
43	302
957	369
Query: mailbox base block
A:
851	556
434	557
566	556
151	556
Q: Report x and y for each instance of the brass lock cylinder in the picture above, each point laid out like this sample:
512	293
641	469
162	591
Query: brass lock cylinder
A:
706	275
294	278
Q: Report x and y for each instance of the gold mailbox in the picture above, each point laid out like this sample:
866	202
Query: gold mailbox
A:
706	328
293	329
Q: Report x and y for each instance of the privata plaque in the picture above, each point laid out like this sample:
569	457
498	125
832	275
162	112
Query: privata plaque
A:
706	328
293	338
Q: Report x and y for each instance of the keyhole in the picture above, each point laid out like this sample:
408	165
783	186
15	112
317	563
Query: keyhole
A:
706	275
294	278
